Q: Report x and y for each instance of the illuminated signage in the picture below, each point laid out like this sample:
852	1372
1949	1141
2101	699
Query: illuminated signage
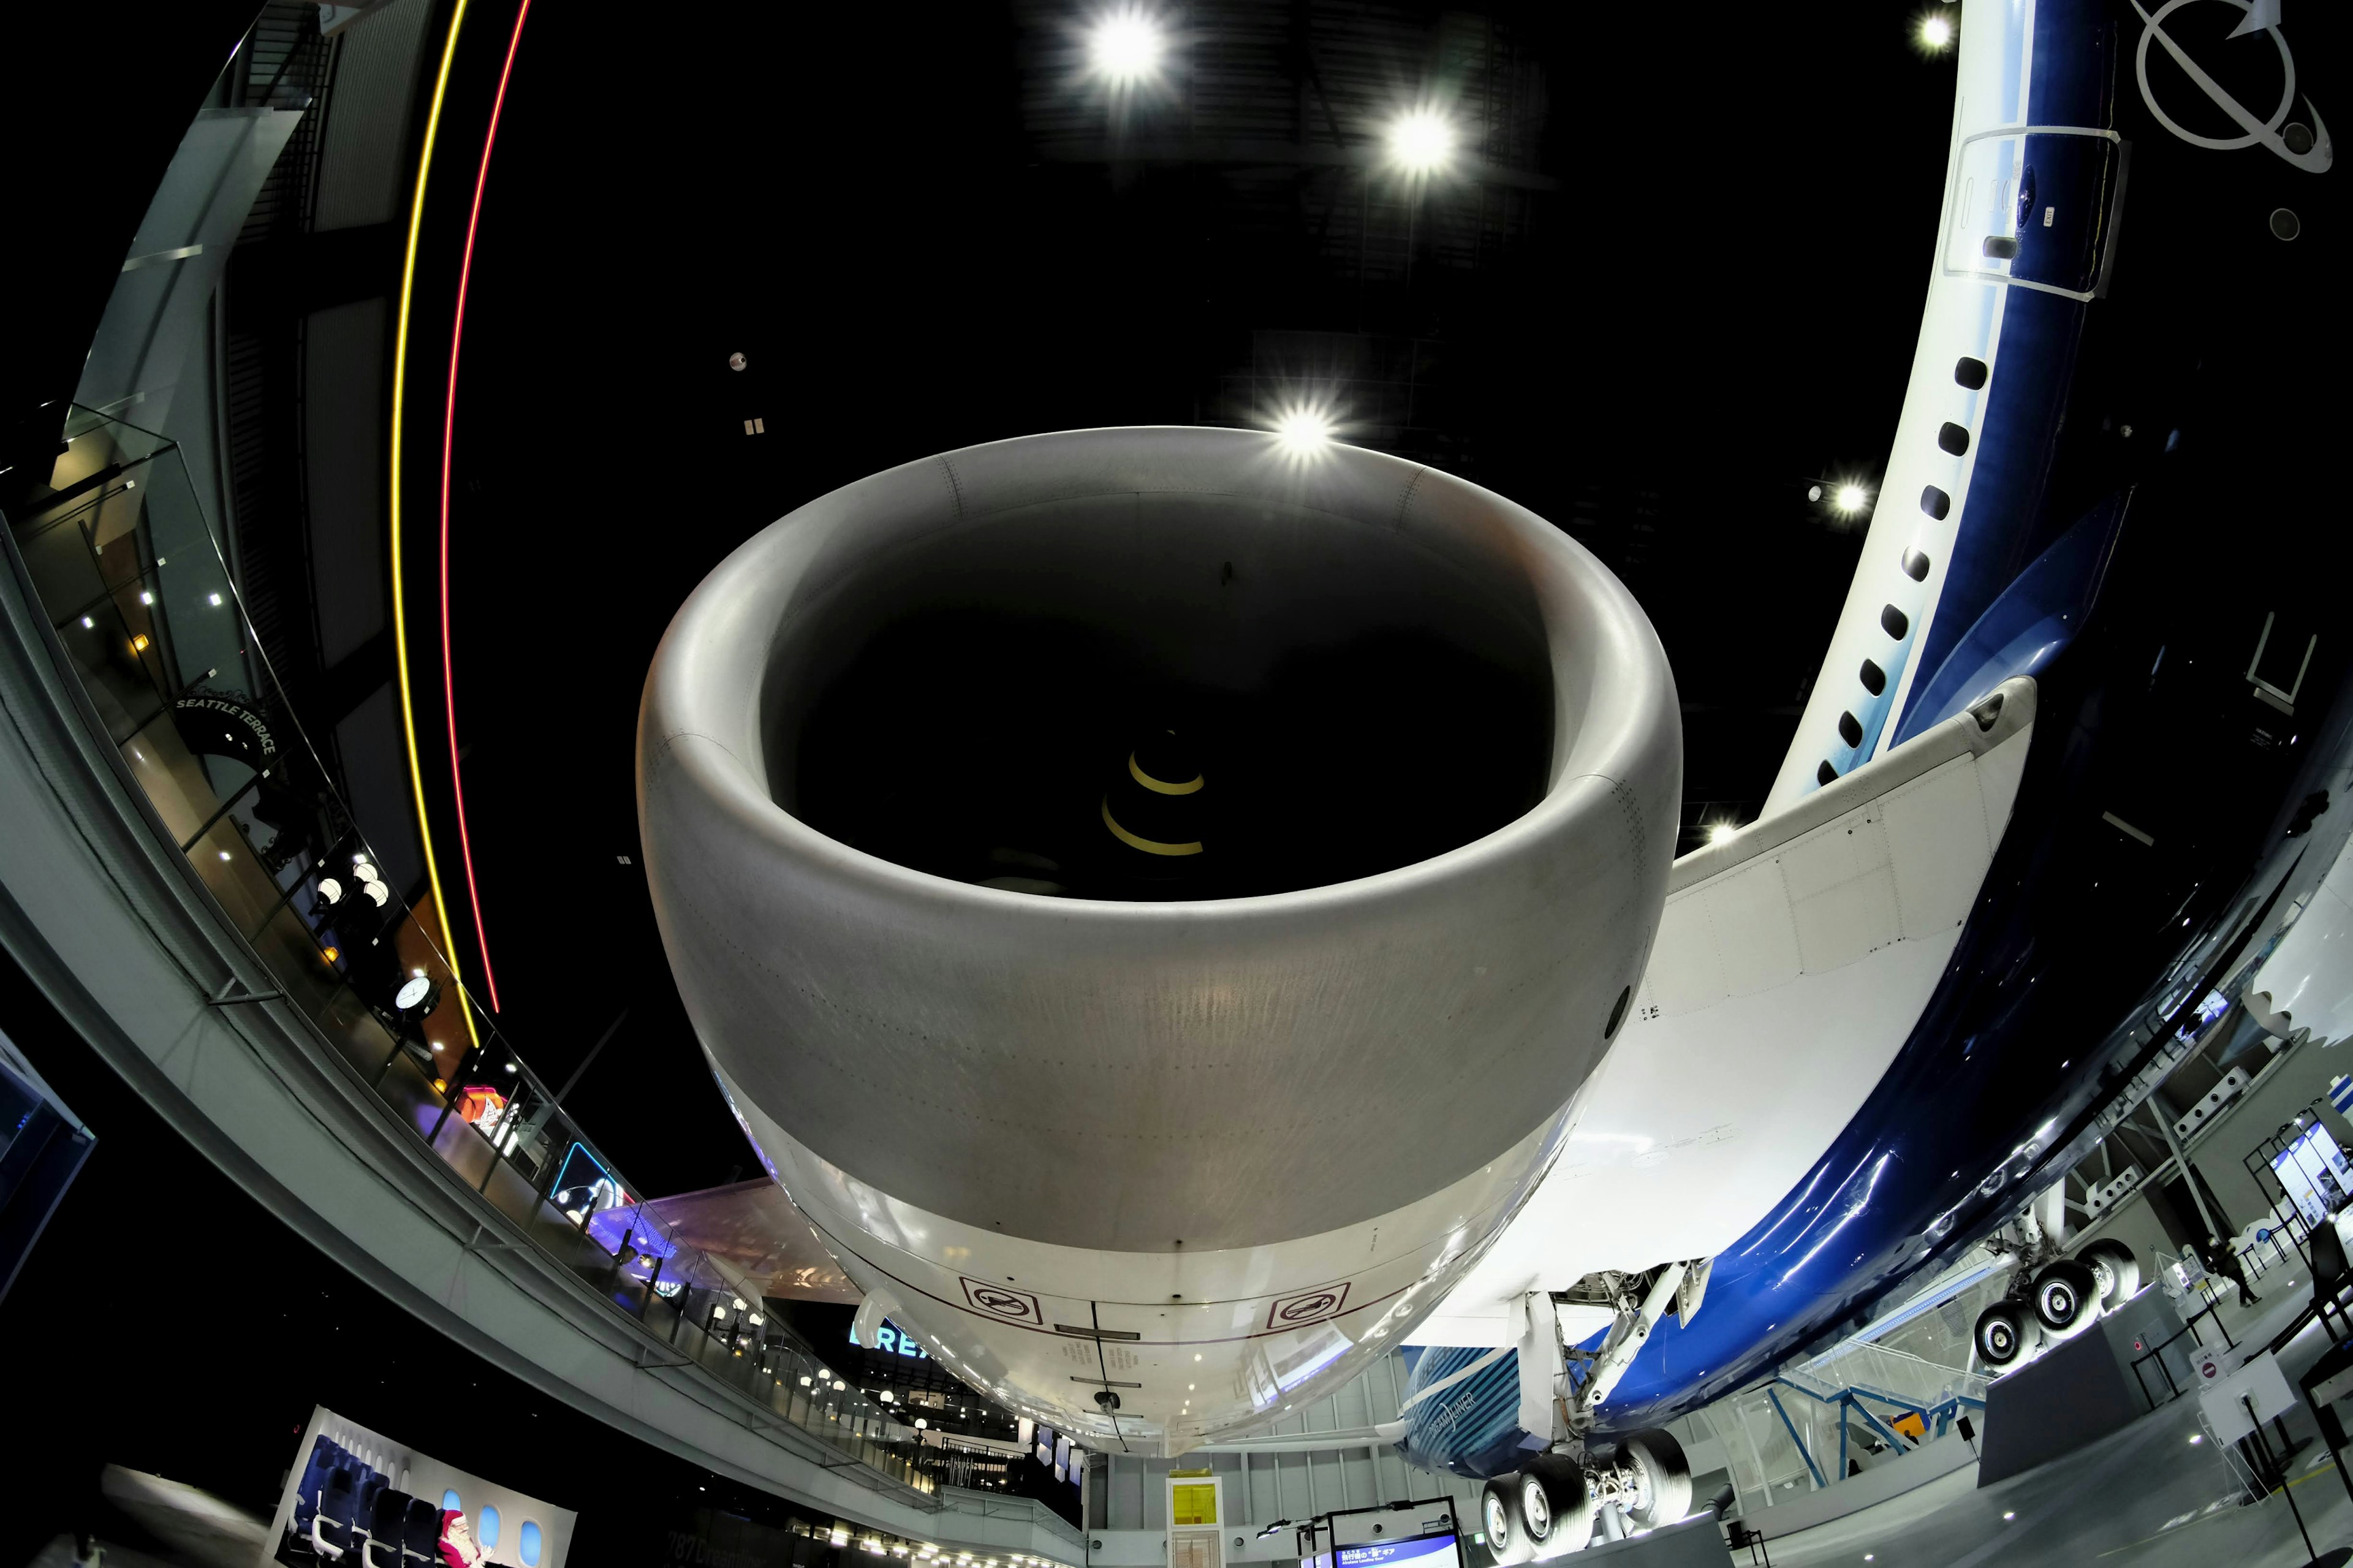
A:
1420	1551
896	1339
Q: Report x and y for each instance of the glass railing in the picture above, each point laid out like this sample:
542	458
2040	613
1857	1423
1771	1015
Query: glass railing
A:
127	567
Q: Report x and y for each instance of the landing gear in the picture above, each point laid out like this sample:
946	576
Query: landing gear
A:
1551	1508
2066	1297
1557	1503
2007	1334
2116	1268
1507	1529
1662	1478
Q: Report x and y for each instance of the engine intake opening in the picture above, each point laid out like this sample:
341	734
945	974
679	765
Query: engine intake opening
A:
982	705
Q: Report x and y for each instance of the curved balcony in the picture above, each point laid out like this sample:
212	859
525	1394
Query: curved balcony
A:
186	879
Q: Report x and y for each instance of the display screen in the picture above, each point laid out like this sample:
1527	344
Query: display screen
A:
1421	1551
2314	1174
2214	1005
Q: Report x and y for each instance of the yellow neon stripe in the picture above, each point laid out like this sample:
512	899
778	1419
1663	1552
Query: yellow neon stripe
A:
1154	784
1149	845
399	614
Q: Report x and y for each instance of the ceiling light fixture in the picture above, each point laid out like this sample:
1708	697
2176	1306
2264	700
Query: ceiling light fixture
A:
1124	47
1421	141
1302	428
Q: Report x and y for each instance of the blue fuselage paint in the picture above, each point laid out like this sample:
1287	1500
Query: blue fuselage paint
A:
2110	567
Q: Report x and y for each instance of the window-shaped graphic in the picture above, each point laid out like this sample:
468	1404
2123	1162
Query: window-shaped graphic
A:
527	1543
486	1527
449	1503
1193	1502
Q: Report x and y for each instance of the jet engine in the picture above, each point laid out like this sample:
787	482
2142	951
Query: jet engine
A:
1154	895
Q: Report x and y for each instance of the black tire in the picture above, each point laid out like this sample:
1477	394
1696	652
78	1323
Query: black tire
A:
2006	1335
2066	1297
1666	1478
1555	1505
2116	1268
1498	1517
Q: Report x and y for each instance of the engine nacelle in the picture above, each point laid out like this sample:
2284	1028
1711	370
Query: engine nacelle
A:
1152	896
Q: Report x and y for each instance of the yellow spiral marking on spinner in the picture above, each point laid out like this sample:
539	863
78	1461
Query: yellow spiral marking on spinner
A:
1159	787
1149	845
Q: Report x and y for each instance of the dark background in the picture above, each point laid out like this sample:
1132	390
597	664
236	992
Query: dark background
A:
922	237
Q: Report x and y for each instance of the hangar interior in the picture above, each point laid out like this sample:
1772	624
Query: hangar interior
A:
1177	784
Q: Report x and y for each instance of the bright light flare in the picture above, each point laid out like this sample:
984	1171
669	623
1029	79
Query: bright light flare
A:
1719	832
1125	46
1421	141
1936	33
1851	499
1304	428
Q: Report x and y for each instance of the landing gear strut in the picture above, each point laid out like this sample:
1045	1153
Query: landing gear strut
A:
1576	1488
1553	1507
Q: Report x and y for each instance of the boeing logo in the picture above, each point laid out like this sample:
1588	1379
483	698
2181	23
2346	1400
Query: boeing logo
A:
2318	152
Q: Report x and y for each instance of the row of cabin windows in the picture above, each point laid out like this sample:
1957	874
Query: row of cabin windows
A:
1954	439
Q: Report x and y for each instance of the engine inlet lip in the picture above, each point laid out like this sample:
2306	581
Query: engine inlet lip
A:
1577	582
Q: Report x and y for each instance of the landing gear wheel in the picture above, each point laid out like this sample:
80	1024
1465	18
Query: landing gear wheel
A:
1557	1505
1666	1487
2066	1297
1507	1532
2006	1335
2111	1263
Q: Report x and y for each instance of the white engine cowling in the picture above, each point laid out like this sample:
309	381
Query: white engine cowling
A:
1201	1107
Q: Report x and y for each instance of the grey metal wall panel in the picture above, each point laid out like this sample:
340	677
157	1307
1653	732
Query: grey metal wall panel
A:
363	156
343	416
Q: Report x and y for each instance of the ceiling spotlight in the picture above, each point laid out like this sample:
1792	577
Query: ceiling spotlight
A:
88	622
1302	428
1718	832
1124	47
1851	499
1936	32
1421	141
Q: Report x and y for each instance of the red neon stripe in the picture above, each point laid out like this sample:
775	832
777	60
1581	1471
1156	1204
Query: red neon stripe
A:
448	440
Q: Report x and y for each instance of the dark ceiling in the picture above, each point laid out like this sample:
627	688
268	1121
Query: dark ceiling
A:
1683	283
